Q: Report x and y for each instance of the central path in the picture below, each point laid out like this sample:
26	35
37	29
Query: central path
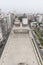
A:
18	50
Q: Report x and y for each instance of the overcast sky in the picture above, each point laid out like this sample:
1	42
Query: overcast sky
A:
30	6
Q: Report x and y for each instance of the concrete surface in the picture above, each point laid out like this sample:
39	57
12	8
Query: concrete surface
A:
18	50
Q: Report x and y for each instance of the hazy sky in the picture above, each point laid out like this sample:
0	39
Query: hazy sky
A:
30	6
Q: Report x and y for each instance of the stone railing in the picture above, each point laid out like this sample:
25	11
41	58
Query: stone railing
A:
37	53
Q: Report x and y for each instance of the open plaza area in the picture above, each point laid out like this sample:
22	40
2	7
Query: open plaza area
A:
18	49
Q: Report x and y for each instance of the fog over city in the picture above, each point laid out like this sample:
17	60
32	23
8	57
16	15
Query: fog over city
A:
21	6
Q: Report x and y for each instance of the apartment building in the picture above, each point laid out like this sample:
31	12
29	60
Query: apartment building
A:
41	27
12	16
1	36
39	17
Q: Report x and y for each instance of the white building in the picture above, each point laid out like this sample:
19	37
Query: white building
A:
9	22
25	21
39	18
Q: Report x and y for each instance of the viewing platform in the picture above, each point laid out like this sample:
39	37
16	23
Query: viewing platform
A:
18	49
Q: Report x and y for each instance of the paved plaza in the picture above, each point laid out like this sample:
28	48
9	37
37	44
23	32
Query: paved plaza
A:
18	49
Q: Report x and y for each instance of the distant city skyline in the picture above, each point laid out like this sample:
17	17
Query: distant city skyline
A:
22	6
